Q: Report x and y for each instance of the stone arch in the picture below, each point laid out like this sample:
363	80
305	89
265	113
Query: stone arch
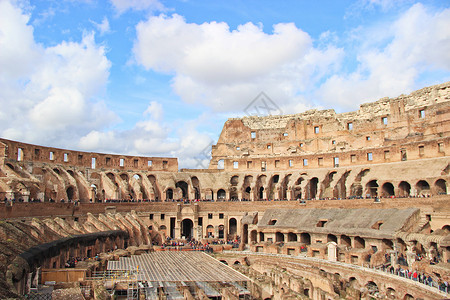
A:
232	227
21	191
422	187
187	228
408	297
70	192
209	194
387	244
372	188
292	237
57	171
279	237
259	187
209	231
297	189
404	189
246	187
156	191
111	176
221	194
387	189
390	293
312	188
221	231
169	194
305	238
124	177
331	238
196	187
261	236
372	288
234	181
441	187
285	187
184	188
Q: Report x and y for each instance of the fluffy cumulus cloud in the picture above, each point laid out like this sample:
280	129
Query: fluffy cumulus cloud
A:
391	62
225	69
47	93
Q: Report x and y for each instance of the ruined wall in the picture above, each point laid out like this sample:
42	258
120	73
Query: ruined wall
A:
404	128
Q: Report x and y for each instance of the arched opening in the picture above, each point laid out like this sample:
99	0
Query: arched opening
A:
372	288
184	188
210	231
261	193
156	193
163	229
224	262
360	242
253	236
441	187
387	244
372	189
221	194
292	237
408	297
237	263
221	230
71	173
169	194
70	193
331	238
313	183
279	237
234	181
261	236
390	293
232	228
404	189
387	190
56	170
196	186
187	228
246	187
111	176
124	177
305	238
423	188
346	241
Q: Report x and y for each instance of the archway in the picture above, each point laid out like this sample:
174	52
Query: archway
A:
387	190
441	187
372	189
360	242
221	230
346	241
313	183
422	187
305	238
70	193
279	237
331	238
232	227
221	194
292	237
169	194
187	227
404	189
210	231
184	188
372	287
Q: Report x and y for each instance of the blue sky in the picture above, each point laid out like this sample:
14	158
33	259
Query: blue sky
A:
159	78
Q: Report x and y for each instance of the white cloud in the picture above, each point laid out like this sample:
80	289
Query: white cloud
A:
48	92
225	69
391	63
155	110
123	5
102	27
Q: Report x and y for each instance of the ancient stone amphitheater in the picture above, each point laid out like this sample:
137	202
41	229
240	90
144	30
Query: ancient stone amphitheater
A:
314	205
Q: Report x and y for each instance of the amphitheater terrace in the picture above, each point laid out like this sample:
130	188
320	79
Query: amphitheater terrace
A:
314	205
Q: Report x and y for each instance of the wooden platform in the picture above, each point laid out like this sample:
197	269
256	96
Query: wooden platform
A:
176	266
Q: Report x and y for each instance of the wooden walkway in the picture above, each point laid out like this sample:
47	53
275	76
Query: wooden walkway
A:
176	266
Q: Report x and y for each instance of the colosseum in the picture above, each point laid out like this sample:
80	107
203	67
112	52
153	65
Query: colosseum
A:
316	205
